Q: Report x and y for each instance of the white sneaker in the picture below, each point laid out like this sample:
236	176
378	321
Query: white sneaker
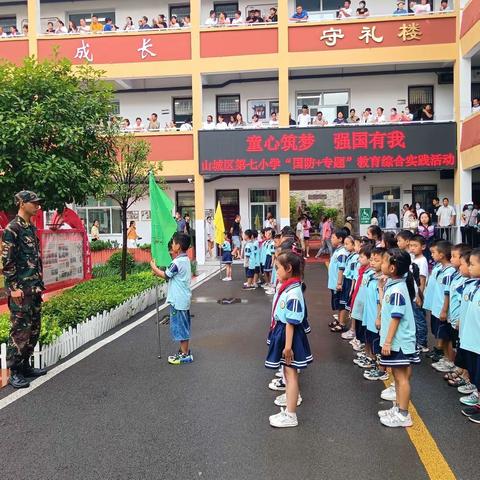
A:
396	419
227	279
277	385
279	374
283	419
270	291
335	316
348	335
281	400
467	389
435	365
444	367
384	413
389	394
359	347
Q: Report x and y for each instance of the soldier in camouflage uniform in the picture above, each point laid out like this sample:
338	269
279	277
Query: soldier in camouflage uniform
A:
22	269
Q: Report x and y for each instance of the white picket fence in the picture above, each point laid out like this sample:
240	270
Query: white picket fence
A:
74	338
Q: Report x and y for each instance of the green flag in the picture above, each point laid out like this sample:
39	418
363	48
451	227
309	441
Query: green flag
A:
163	224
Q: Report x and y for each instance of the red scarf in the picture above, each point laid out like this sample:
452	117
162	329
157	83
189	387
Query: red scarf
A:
283	287
358	284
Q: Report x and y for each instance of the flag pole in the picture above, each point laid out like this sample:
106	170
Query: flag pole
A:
157	306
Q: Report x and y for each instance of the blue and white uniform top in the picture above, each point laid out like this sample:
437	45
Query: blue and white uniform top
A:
337	262
442	288
250	256
397	304
256	251
289	306
179	275
274	275
351	266
430	288
456	292
470	316
371	302
226	246
359	304
266	250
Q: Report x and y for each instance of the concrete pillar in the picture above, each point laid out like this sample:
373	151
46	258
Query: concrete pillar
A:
284	191
33	13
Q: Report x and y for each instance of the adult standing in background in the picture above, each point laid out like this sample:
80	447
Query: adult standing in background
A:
374	219
392	220
210	232
306	235
95	231
181	224
348	224
270	222
432	210
236	233
446	219
132	235
469	222
22	270
326	236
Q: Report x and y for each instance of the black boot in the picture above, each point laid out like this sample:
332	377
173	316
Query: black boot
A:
17	380
29	371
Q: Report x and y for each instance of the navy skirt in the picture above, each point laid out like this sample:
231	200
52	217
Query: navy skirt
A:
302	355
399	359
268	264
227	257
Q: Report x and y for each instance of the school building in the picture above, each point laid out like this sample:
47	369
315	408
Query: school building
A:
193	69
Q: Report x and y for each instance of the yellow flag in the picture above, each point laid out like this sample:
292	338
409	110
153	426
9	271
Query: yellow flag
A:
219	225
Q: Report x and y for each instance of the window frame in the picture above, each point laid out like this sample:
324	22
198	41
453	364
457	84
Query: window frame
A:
262	204
219	4
174	115
217	113
179	5
409	104
344	108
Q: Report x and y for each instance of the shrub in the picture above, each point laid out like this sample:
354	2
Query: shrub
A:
86	299
145	246
194	267
99	245
115	262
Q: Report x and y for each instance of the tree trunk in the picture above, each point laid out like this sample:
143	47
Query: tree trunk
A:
123	272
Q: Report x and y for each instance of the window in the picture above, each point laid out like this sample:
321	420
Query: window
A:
424	194
182	110
261	203
385	200
7	21
418	96
319	5
227	105
180	11
75	17
185	202
105	212
329	103
229	8
116	107
230	202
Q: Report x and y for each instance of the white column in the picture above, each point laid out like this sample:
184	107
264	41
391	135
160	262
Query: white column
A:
200	240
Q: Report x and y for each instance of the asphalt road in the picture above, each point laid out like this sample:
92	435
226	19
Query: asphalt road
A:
123	414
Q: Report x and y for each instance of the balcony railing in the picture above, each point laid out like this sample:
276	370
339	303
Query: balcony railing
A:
169	146
471	15
14	49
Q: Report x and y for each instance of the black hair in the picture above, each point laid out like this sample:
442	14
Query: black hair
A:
462	248
183	240
475	253
255	233
366	250
389	240
418	238
248	233
378	251
132	222
367	241
350	237
287	231
402	261
277	235
444	247
405	234
356	238
341	233
466	256
288	258
376	231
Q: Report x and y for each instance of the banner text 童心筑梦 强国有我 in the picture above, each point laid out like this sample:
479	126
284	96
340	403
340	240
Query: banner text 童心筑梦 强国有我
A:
349	149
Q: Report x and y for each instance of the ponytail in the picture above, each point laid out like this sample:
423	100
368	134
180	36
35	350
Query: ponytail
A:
411	285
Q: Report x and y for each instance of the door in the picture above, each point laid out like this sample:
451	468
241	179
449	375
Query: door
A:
230	203
424	194
383	208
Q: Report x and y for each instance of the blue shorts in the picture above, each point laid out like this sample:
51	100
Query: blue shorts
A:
339	301
257	270
236	242
249	272
444	330
399	359
179	324
472	363
373	339
227	258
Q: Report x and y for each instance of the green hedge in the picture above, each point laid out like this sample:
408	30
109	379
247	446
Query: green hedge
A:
75	305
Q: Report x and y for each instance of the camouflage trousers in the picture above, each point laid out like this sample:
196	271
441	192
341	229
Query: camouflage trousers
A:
24	329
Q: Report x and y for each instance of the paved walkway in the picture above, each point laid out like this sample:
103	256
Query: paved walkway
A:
121	413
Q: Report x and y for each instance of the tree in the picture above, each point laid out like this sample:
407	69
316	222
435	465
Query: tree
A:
129	180
55	137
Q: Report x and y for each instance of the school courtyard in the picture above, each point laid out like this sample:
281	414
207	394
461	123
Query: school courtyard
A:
116	411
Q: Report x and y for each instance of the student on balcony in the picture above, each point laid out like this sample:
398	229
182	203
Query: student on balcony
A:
221	124
272	16
401	10
256	122
50	30
406	115
139	126
60	27
362	10
129	26
209	124
380	117
273	120
153	123
83	27
319	121
394	115
143	24
353	118
95	25
444	8
367	116
237	18
304	118
211	21
475	105
300	15
186	22
422	8
340	118
174	23
223	20
426	114
2	33
345	11
109	26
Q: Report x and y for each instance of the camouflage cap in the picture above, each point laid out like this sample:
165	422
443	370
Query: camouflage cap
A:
26	196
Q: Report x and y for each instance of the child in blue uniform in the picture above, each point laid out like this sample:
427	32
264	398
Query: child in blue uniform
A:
256	254
249	260
336	269
470	332
288	341
442	253
350	273
397	333
370	318
268	250
227	257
